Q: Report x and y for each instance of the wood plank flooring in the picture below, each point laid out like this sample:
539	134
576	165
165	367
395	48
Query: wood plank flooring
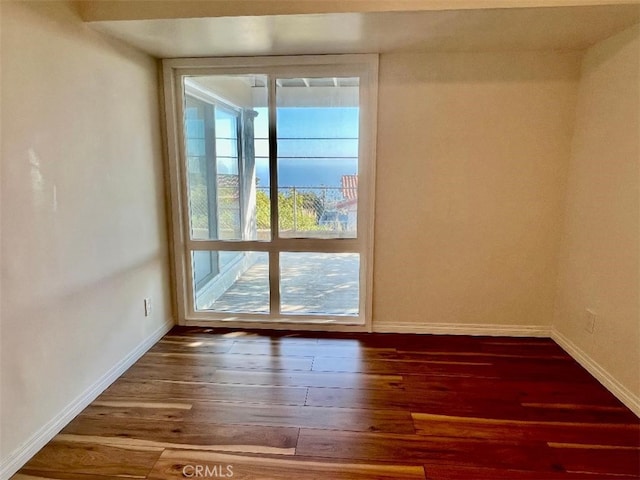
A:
206	403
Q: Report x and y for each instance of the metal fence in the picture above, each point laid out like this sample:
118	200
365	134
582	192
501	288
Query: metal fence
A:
302	211
315	211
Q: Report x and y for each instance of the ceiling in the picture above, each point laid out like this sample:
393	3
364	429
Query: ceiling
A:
473	30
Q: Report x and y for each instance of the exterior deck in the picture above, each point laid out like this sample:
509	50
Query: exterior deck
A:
312	283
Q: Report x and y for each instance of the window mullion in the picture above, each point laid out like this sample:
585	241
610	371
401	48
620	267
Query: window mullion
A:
274	256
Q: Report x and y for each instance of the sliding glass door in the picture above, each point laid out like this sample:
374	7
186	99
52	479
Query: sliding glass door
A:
271	176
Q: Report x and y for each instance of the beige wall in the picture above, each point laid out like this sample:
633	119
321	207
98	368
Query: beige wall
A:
472	156
83	228
599	263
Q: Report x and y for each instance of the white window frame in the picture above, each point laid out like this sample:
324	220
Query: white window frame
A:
363	66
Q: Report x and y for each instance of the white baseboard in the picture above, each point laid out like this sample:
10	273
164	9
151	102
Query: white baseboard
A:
491	330
621	392
20	456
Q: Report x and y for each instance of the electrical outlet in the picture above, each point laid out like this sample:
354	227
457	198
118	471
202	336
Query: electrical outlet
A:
590	320
147	307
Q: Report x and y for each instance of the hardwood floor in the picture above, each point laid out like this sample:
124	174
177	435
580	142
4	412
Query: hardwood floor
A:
275	405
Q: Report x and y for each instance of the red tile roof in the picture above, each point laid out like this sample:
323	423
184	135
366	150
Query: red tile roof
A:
349	191
350	187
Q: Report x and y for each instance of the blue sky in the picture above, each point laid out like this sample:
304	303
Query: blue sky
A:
316	146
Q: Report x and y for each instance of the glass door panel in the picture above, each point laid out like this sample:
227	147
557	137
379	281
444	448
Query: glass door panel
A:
240	286
260	149
222	178
315	283
318	139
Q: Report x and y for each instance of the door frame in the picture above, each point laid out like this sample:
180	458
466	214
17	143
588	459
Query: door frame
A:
363	66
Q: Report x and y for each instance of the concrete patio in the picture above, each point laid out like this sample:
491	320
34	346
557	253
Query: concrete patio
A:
311	284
